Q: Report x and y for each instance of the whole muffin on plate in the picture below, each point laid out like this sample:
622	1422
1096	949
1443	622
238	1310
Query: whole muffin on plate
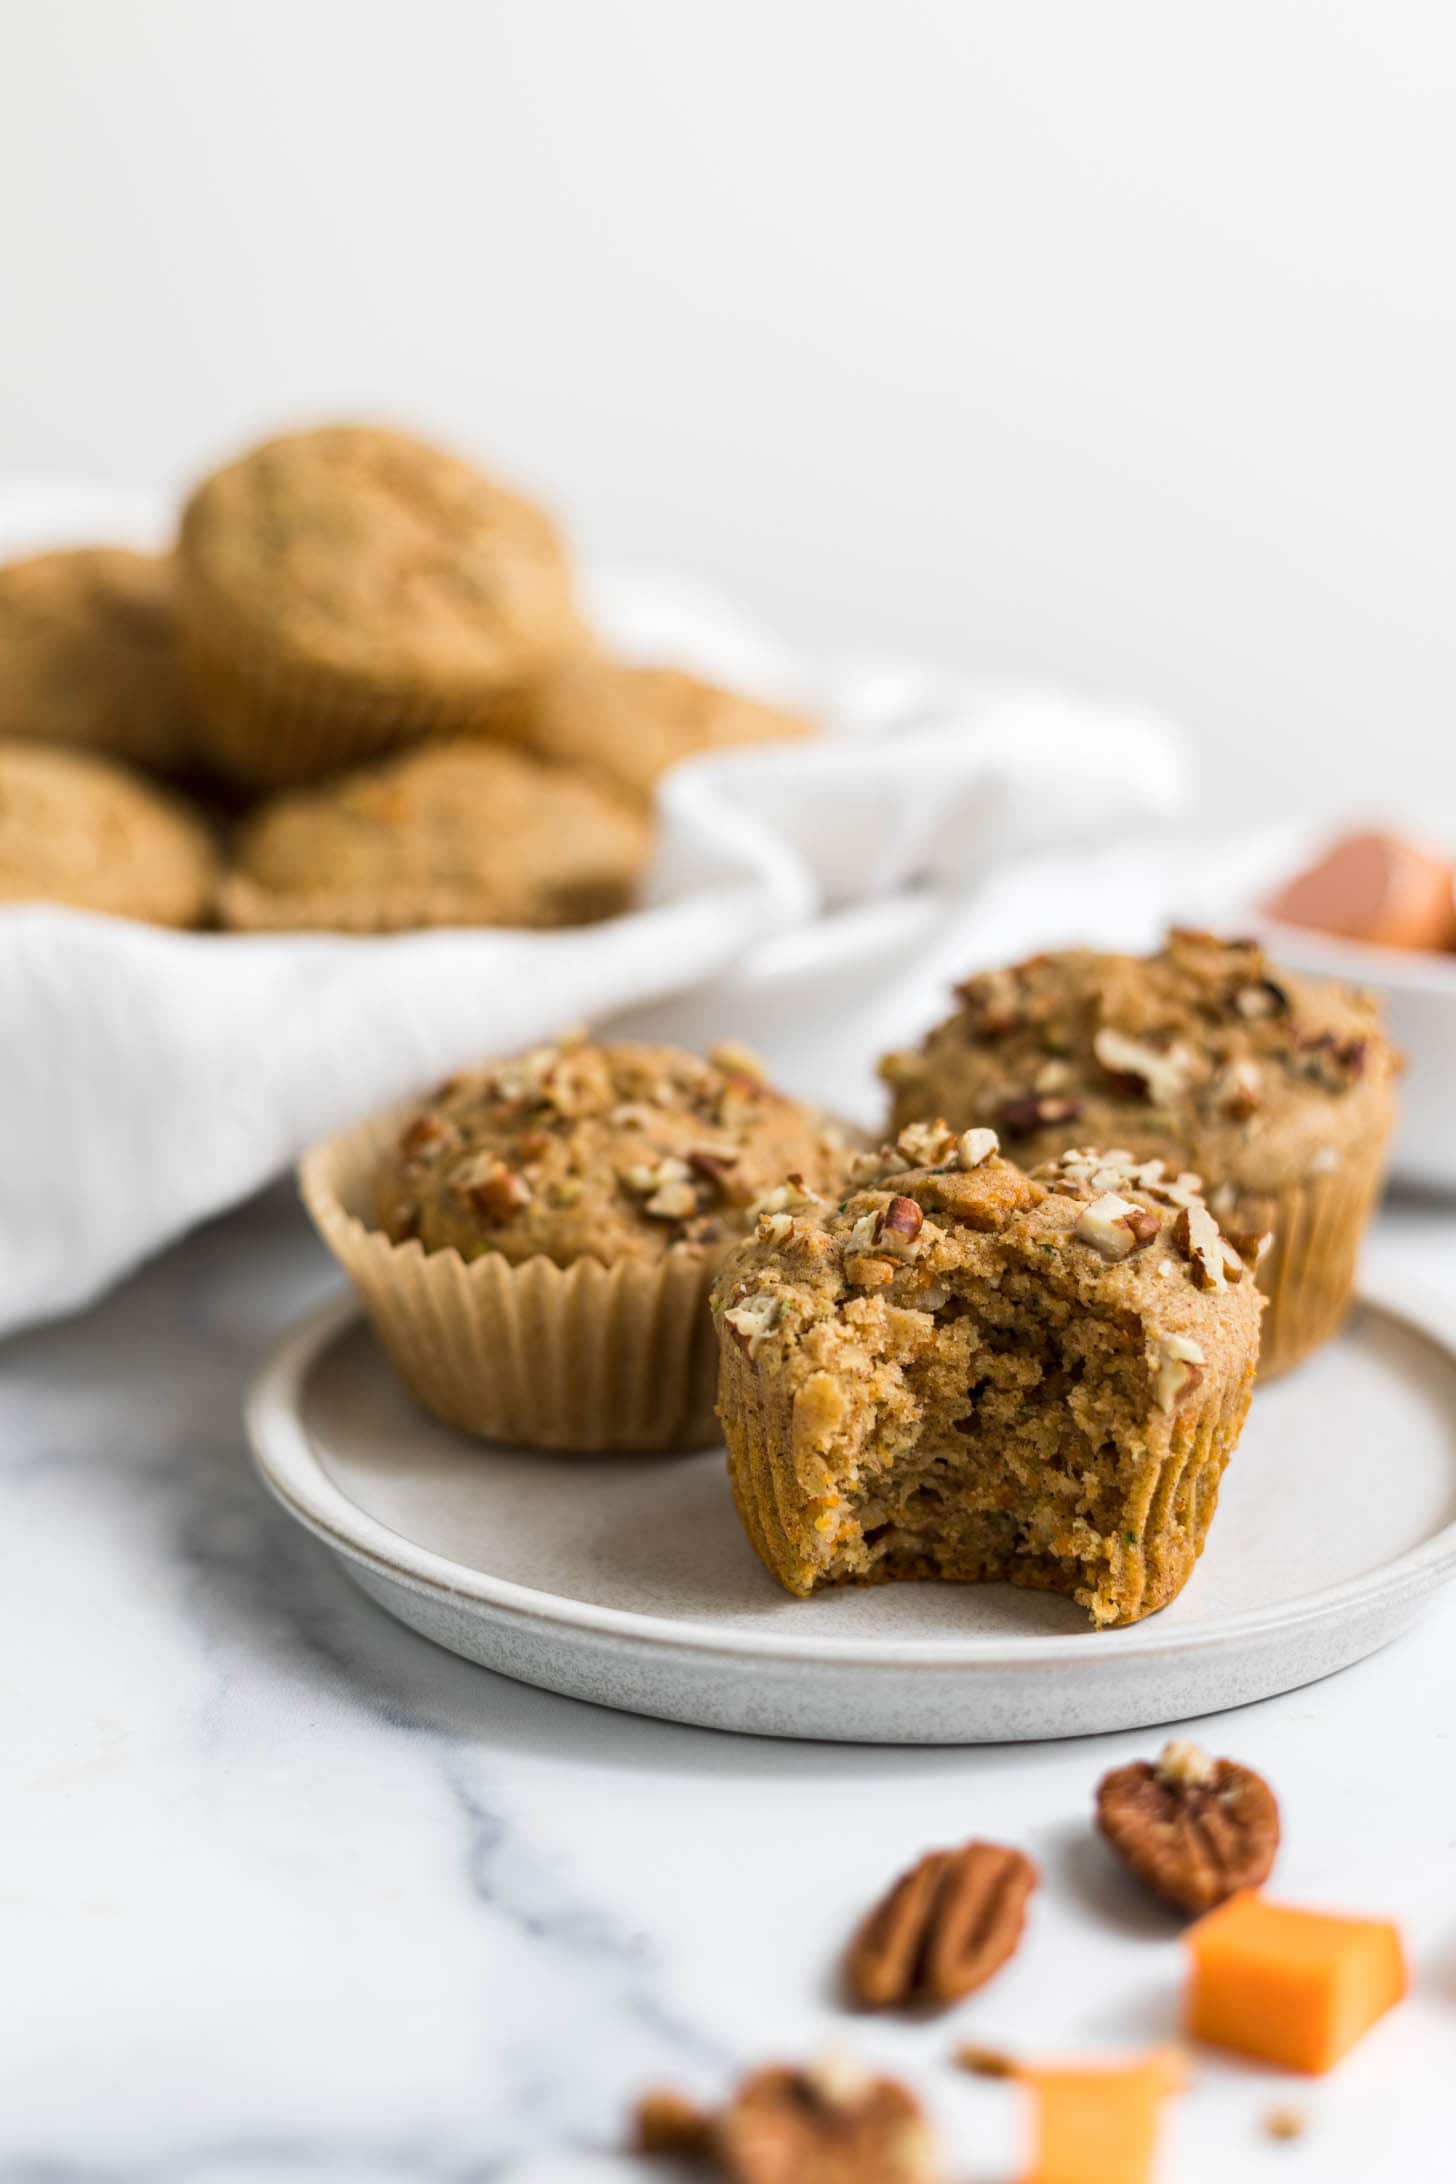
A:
1279	1092
88	655
631	724
348	588
964	1371
535	1243
78	829
451	834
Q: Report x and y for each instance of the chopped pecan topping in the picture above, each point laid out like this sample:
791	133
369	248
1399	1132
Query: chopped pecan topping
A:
1194	1830
790	1197
900	1223
1116	1227
944	1928
994	1002
1033	1111
494	1190
1262	997
737	1060
1239	1092
1179	1371
427	1136
665	2122
1212	1260
825	2126
753	1320
1163	1075
926	1144
713	1167
974	1147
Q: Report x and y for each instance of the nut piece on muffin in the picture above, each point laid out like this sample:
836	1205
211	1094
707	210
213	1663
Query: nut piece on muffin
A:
1278	1091
535	1244
630	724
604	1152
348	588
965	1371
88	639
453	834
78	829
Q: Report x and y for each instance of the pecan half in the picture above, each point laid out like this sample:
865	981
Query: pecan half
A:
826	2126
1194	1830
944	1928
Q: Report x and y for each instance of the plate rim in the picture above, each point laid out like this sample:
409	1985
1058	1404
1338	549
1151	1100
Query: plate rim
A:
293	1474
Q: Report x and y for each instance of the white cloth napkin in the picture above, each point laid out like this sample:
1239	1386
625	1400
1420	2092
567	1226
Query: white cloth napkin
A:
813	900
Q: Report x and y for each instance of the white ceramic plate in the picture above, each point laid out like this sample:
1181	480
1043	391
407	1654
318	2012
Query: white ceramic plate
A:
627	1580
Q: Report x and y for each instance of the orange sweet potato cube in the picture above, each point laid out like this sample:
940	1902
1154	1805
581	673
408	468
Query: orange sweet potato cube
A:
1097	2125
1294	1987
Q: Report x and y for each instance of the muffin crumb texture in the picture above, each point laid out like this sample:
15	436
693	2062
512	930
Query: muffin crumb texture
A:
957	1372
609	1152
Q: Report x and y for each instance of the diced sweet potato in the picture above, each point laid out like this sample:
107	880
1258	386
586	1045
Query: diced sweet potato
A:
1097	2124
1294	1987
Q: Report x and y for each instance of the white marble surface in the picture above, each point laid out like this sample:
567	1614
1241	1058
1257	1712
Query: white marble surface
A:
288	1894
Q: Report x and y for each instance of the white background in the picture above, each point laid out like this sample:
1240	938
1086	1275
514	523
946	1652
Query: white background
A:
1116	342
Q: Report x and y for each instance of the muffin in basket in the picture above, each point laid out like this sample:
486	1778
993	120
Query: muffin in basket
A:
630	724
1279	1092
964	1371
348	588
452	834
535	1244
76	828
88	638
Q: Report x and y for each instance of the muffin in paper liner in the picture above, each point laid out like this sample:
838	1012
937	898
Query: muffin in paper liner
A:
973	1374
459	833
272	726
350	587
585	1357
1315	1230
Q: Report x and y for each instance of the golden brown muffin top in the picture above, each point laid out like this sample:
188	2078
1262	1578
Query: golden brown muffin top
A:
79	829
88	655
608	1152
1203	1055
450	834
1096	1227
633	723
361	552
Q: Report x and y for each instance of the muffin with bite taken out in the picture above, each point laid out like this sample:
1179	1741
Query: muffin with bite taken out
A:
966	1371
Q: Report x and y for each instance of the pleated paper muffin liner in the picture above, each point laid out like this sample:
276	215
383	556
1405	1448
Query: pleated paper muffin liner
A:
273	726
1178	1501
584	1357
1308	1272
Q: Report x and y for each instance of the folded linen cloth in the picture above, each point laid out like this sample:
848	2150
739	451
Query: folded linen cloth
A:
149	1079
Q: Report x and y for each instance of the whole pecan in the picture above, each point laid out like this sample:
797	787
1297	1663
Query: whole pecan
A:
944	1928
1194	1830
826	2126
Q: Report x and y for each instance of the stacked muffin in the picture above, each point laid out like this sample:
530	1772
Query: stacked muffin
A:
365	667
